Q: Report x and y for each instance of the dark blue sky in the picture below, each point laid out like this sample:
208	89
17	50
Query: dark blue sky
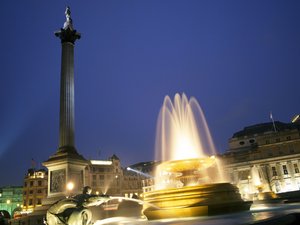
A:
240	59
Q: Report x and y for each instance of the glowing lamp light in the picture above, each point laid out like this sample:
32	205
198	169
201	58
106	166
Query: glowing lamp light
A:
70	186
8	201
97	192
128	168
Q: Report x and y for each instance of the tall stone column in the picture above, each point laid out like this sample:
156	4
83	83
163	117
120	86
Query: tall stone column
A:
68	36
66	165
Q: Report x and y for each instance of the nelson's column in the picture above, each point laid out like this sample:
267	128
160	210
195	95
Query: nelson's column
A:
66	165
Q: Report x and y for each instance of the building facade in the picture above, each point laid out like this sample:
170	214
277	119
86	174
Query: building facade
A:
35	189
11	199
264	158
105	176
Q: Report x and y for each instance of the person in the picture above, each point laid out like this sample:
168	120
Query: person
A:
74	210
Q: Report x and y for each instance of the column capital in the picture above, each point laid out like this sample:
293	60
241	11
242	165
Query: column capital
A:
68	33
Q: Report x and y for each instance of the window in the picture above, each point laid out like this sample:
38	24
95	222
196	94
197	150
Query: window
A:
30	202
101	177
274	172
242	142
39	191
24	203
288	138
267	142
39	201
31	192
31	183
285	171
39	183
243	175
25	184
251	141
24	193
296	168
277	140
94	177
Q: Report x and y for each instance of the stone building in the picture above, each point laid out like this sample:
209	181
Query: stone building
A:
265	158
11	199
105	176
34	189
108	177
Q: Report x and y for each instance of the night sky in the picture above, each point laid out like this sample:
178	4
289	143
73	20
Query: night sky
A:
239	59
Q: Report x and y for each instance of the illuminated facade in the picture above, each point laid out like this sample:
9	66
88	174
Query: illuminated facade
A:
10	198
105	176
108	177
35	189
265	158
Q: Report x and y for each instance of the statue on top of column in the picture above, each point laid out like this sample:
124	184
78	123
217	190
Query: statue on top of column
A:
68	23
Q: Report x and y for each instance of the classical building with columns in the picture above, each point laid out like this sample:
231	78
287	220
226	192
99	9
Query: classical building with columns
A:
265	158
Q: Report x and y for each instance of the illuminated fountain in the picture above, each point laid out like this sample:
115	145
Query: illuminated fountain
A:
189	181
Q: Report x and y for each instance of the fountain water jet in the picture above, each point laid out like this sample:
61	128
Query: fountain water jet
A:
189	181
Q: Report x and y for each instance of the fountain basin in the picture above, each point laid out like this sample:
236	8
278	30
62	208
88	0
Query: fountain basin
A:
191	201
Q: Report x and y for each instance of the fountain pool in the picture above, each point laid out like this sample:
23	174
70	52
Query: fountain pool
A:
189	182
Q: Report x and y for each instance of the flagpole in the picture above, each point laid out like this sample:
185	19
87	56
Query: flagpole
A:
271	117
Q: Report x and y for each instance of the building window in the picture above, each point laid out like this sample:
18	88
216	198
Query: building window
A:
31	192
31	183
94	177
39	191
242	142
267	142
277	140
274	172
296	168
24	193
39	201
251	141
24	203
25	184
39	183
30	202
288	138
285	171
101	177
243	175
